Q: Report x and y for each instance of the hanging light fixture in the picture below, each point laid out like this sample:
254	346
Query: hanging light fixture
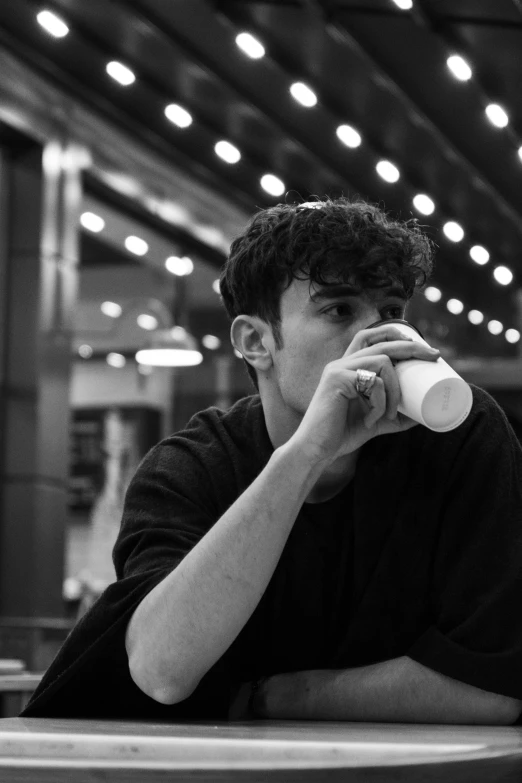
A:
173	347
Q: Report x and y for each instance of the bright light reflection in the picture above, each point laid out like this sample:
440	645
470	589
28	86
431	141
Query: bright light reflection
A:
92	222
272	185
404	5
503	275
112	309
348	136
387	171
169	357
178	115
117	360
303	94
495	327
120	73
455	306
453	231
147	321
215	286
250	45
85	351
479	254
179	266
459	68
211	342
227	152
424	204
496	115
475	317
433	294
136	245
52	23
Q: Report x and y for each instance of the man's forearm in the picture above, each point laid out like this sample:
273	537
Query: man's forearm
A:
187	621
400	690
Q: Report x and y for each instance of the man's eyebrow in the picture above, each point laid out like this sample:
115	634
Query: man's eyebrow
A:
335	291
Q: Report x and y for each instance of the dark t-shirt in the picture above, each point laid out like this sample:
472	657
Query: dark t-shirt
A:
420	555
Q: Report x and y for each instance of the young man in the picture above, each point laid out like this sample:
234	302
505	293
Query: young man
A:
311	553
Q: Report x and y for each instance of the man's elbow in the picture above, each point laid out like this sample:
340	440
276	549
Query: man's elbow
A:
163	689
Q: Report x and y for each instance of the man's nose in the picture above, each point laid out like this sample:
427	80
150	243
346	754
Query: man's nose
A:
370	316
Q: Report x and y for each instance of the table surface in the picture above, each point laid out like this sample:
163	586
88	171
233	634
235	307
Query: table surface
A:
84	751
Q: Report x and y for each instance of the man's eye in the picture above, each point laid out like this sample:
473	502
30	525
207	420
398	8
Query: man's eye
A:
338	311
393	311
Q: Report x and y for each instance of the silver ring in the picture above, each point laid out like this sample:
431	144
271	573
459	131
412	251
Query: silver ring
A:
365	382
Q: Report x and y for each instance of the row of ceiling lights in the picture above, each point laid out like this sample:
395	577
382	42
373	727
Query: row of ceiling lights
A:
462	71
184	266
274	186
178	266
498	117
422	202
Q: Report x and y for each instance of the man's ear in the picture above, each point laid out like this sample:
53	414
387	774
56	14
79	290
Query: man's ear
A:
252	337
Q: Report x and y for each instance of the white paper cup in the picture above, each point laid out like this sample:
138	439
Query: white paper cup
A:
432	393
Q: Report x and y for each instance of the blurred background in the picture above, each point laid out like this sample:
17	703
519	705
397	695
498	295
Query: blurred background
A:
136	139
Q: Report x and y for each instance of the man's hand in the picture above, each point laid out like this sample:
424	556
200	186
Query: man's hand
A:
338	420
399	690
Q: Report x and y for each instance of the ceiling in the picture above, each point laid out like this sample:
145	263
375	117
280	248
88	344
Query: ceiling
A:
373	66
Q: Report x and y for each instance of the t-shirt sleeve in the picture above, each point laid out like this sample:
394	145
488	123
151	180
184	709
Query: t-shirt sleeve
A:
173	499
476	598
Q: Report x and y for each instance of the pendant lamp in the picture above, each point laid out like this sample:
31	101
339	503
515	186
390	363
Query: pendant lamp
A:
173	347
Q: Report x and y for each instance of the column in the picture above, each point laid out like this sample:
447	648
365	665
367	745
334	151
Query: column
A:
40	196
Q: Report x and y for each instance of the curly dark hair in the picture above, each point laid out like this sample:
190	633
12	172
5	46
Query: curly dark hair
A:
327	242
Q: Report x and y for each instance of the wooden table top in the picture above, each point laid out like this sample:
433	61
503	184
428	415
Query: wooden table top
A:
81	751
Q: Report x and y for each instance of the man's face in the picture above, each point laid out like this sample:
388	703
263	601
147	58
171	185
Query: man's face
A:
317	326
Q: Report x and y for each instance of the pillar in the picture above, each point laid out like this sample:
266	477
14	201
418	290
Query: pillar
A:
40	195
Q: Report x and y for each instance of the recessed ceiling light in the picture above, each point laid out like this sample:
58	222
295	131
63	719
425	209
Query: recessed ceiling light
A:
117	360
455	306
512	335
215	286
503	275
387	171
211	342
348	136
433	294
92	222
475	317
178	115
424	204
453	231
136	245
85	351
520	153
227	152
52	24
179	266
459	68
112	309
404	5
250	45
120	73
147	322
303	94
272	185
495	327
479	254
496	115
